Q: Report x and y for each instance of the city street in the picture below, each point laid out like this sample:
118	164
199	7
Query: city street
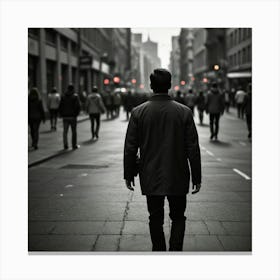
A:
78	200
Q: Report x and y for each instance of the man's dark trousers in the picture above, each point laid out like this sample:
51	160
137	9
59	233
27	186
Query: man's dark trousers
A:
177	206
73	123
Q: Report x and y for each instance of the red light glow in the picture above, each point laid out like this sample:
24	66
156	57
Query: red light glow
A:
183	83
116	80
141	86
133	81
106	82
176	88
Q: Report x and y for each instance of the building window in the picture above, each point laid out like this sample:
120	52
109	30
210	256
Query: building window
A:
244	58
34	32
63	43
50	36
236	36
239	58
249	53
73	48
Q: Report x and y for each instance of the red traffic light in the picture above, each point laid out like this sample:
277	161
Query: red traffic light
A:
106	81
183	83
141	86
176	88
133	81
205	80
116	80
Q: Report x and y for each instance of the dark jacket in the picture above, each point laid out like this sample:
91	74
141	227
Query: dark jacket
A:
215	102
70	106
248	104
35	109
165	132
200	102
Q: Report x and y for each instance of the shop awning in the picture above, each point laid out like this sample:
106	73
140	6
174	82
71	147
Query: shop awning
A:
235	75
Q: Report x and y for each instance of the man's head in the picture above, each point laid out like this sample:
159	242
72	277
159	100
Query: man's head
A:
70	89
94	89
214	85
190	91
160	81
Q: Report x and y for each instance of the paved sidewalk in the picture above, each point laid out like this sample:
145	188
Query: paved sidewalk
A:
50	142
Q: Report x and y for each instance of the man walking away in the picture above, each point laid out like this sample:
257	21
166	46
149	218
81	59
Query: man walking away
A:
215	107
53	105
239	99
165	133
227	100
95	107
200	102
248	109
36	114
117	103
179	97
190	100
69	110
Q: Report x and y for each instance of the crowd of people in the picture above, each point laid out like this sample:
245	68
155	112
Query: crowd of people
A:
68	106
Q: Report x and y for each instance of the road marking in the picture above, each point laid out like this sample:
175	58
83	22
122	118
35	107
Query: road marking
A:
69	186
241	174
202	148
209	153
242	143
61	194
83	175
218	159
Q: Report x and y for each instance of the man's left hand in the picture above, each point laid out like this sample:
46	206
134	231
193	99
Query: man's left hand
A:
196	188
129	184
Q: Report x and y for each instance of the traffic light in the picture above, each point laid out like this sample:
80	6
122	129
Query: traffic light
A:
133	81
182	83
116	80
205	80
141	86
106	81
176	88
216	67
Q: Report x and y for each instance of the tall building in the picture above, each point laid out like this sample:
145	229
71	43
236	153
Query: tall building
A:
80	56
209	62
239	56
186	55
174	65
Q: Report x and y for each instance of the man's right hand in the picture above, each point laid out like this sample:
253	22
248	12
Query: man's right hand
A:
129	184
196	188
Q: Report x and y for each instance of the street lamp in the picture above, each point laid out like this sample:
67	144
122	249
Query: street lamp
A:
216	67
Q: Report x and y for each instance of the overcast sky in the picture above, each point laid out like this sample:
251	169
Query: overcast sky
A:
163	37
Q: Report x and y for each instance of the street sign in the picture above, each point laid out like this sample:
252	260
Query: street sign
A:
85	62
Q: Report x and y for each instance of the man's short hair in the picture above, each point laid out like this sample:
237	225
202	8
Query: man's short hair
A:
160	80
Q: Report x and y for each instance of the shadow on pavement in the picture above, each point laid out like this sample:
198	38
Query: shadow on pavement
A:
220	143
89	142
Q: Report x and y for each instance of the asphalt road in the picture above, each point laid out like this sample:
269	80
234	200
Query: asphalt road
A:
78	200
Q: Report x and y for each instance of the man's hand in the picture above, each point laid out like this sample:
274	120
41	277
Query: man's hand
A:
196	188
129	184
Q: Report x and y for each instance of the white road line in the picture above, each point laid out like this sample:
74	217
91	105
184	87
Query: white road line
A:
241	174
83	175
242	143
218	159
69	186
202	148
209	153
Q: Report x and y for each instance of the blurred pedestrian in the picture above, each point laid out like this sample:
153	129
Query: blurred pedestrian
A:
190	100
215	106
166	135
179	98
117	103
239	99
227	100
69	110
128	104
108	101
36	114
200	102
248	109
95	107
53	105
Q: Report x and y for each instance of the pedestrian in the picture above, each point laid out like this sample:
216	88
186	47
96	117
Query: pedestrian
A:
239	99
95	107
190	100
129	101
215	107
227	100
117	103
53	105
200	102
165	133
179	97
69	110
36	114
108	101
248	109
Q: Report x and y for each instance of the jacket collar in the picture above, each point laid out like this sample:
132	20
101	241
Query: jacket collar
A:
159	96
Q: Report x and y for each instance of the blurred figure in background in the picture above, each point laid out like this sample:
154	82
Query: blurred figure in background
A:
248	109
117	103
190	100
215	107
239	99
36	114
95	107
108	101
128	104
179	98
69	110
200	102
53	105
227	100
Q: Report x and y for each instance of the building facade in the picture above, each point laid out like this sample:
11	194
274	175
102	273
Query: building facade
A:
239	56
209	62
83	57
174	65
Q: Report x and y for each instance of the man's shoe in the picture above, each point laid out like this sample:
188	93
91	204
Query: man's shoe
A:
65	147
76	147
212	136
